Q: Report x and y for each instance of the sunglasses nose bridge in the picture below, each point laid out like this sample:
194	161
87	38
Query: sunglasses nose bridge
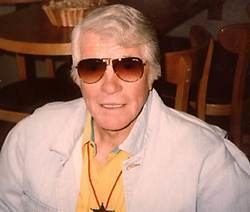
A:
108	61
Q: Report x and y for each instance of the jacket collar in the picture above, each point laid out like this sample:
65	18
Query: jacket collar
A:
74	127
144	126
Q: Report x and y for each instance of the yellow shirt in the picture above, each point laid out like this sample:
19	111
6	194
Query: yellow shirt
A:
103	178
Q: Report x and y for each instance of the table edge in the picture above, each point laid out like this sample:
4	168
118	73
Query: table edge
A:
49	49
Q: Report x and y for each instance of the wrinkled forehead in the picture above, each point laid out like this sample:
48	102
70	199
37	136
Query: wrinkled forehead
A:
106	45
116	36
90	39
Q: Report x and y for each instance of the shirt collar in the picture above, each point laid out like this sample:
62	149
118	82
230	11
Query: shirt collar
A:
76	125
89	134
136	138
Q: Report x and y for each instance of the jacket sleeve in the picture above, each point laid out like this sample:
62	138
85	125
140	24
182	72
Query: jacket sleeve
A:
224	181
11	176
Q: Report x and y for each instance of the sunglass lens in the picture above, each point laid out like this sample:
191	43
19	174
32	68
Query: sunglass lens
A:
129	69
91	70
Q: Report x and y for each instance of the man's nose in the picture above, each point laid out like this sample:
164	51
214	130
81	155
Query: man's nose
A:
110	83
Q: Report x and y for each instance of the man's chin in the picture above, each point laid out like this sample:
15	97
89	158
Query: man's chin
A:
114	128
117	126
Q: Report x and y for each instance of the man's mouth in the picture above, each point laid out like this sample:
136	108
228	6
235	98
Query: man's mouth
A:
112	106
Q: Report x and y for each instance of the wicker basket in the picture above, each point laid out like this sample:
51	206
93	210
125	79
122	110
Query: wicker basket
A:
66	17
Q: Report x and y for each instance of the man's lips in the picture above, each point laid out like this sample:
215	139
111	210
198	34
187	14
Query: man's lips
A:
112	105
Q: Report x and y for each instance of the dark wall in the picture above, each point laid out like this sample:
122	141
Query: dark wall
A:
167	14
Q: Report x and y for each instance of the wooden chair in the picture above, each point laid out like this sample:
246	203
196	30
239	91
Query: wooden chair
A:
235	39
21	98
198	94
184	68
21	58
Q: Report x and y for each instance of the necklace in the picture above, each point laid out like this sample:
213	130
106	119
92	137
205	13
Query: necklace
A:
101	206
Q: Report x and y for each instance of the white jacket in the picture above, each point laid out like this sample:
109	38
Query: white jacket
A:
178	163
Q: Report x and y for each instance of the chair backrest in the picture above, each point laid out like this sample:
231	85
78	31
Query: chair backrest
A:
236	39
185	67
198	35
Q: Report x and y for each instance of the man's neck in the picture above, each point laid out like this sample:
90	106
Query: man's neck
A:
107	140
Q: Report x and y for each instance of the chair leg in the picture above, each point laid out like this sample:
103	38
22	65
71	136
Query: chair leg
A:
237	98
50	67
21	65
236	130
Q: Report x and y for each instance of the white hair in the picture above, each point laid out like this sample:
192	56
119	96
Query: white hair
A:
128	26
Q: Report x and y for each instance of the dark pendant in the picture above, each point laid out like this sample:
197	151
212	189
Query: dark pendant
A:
101	209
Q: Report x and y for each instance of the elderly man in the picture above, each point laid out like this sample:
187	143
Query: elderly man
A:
119	148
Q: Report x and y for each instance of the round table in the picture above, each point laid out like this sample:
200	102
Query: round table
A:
19	1
28	31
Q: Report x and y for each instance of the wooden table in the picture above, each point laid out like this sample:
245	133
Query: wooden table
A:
19	1
28	31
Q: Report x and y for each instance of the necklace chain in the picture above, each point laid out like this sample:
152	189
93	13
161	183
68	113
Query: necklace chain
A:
92	186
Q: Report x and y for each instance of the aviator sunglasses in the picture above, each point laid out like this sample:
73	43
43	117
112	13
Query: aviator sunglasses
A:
128	69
